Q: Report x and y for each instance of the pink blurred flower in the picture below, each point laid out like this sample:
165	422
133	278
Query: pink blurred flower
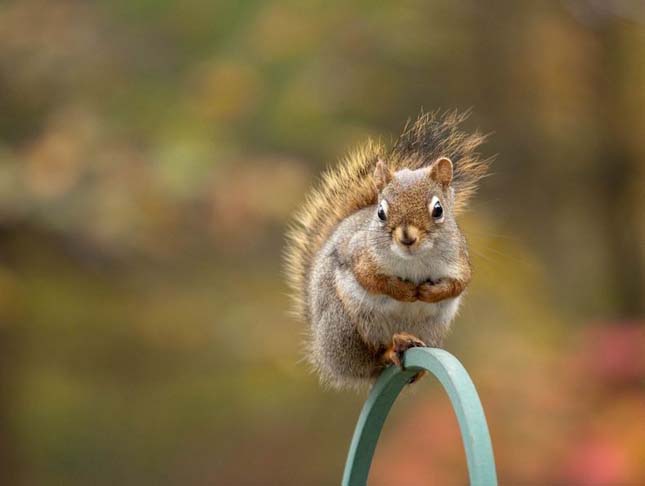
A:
596	462
614	353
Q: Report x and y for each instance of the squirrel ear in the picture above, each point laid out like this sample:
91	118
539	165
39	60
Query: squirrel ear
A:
382	175
441	171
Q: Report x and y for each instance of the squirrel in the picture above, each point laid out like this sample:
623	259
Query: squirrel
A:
375	259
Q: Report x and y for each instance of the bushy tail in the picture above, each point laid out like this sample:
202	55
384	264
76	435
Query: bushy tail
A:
348	187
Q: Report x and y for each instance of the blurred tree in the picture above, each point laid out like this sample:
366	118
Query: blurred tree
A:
620	175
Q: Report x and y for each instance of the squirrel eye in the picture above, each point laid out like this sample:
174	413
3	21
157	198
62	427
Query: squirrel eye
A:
381	212
436	209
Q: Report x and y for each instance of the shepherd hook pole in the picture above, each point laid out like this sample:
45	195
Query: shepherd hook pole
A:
465	401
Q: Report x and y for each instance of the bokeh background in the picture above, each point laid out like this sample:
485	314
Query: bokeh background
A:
151	153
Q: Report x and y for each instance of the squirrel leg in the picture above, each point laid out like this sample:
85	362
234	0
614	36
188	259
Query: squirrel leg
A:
339	352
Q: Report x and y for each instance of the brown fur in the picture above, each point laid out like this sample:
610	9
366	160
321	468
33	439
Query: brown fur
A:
441	171
382	175
350	186
432	136
431	292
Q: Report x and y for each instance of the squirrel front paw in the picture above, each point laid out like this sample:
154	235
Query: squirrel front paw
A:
408	292
401	342
400	289
431	292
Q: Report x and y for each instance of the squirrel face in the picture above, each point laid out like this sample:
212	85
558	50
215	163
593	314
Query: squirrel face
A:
414	206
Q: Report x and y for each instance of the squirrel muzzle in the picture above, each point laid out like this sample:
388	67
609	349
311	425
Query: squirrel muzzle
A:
407	236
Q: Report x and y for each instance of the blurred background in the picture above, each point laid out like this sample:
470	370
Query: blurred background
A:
151	153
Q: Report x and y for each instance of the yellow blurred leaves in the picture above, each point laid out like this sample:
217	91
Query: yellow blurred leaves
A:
9	297
225	91
281	33
250	194
54	162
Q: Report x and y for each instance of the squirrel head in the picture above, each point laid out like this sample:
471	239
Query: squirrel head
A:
414	207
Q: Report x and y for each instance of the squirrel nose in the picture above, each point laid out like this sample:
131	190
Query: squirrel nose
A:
408	240
407	235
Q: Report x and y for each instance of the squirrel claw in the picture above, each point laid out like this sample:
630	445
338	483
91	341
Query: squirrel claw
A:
401	342
391	357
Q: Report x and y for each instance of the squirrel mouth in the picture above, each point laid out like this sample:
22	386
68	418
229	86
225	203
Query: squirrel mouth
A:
404	251
407	252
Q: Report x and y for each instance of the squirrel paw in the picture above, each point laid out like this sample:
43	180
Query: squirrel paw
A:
408	292
401	342
430	292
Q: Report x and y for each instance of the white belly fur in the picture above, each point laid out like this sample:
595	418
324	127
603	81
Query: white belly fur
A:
390	316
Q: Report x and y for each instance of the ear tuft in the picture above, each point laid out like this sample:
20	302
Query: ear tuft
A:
382	175
441	171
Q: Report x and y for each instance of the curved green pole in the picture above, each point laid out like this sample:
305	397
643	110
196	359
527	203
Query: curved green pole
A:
465	402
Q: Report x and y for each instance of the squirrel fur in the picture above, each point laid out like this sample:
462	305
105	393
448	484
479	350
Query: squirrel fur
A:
375	259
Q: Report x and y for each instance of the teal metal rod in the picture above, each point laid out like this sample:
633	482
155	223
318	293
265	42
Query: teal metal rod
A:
465	401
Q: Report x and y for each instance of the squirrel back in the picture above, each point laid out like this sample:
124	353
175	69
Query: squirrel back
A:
349	187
